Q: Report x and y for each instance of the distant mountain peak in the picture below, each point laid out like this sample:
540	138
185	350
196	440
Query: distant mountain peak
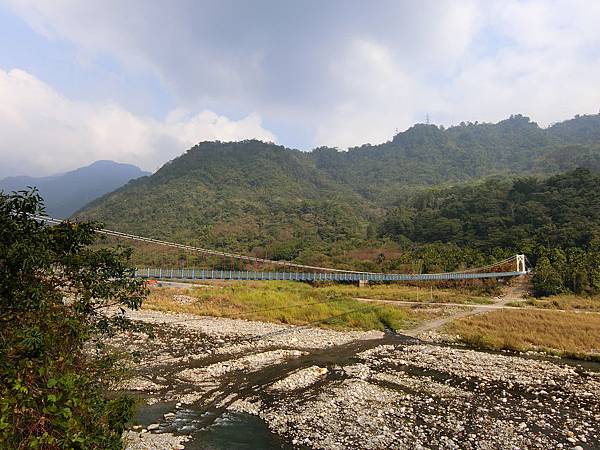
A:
65	193
518	120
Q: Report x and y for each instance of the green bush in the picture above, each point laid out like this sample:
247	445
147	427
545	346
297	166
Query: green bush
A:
53	290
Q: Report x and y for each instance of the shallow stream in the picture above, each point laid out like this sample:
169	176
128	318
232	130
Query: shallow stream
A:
212	426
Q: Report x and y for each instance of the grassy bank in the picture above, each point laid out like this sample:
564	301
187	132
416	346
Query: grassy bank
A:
563	301
561	333
287	302
424	293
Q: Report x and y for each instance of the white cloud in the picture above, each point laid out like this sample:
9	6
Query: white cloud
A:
44	132
347	72
547	68
379	97
267	55
539	24
541	59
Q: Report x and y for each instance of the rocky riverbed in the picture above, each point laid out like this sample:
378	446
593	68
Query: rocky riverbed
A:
318	388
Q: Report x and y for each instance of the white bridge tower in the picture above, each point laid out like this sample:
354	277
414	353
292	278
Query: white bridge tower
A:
521	264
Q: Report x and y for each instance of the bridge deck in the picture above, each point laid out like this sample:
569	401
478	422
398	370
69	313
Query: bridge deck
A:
199	274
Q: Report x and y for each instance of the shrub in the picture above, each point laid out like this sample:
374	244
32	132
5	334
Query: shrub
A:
53	290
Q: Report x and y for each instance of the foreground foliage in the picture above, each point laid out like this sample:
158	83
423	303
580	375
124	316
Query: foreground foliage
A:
52	292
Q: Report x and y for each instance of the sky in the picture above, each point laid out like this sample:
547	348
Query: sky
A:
142	81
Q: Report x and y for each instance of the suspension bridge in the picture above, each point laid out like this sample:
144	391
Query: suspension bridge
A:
513	266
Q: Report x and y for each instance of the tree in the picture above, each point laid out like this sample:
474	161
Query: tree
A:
546	279
399	222
54	291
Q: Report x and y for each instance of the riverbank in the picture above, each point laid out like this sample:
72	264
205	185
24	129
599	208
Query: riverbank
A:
290	303
321	388
571	334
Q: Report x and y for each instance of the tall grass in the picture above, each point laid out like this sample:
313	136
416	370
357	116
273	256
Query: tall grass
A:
287	302
564	301
563	333
423	293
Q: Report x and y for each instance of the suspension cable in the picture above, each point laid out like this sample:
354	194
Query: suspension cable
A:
254	259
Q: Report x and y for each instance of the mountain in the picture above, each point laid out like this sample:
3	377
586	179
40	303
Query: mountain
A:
66	193
261	197
561	211
428	155
555	221
579	130
245	196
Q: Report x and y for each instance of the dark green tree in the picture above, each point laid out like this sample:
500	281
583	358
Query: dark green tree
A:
54	294
546	279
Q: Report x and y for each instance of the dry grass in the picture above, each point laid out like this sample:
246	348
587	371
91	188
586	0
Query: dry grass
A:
288	302
564	301
562	333
409	293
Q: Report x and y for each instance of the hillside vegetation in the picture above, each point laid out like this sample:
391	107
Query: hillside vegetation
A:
240	196
427	155
431	199
555	221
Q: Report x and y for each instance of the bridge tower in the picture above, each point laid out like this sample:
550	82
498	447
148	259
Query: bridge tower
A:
521	264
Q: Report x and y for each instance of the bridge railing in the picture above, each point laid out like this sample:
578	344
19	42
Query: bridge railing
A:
243	275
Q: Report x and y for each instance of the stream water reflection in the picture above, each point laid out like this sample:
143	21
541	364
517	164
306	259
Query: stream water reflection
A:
236	431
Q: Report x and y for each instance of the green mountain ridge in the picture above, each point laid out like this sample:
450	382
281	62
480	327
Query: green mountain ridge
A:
258	197
427	155
238	196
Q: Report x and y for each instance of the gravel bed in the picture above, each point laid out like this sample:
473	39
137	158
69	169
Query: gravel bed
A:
247	364
332	390
145	441
300	379
283	335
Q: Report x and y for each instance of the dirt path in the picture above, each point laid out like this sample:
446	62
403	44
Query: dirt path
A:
514	292
435	324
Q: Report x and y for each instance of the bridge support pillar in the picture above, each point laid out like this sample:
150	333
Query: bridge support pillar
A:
521	264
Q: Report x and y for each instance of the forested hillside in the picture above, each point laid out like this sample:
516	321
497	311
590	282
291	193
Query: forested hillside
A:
430	155
430	199
560	211
555	221
244	196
